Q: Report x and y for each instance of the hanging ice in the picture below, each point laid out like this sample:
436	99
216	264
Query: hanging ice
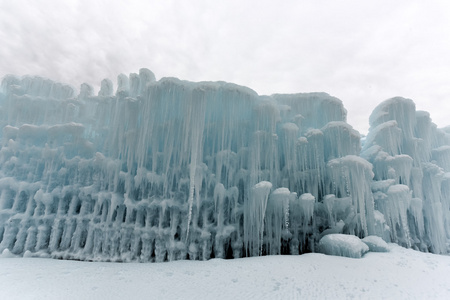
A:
408	155
169	169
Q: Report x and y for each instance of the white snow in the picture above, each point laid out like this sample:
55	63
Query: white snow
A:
375	243
399	274
343	245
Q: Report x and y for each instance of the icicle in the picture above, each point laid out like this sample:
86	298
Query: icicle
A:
254	213
276	219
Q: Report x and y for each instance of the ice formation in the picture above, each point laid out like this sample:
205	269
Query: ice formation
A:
170	169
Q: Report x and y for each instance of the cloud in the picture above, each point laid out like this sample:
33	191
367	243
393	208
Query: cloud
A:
358	51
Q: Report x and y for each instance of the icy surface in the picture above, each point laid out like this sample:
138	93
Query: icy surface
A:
343	245
169	170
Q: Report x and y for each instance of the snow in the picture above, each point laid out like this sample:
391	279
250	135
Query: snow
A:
343	245
375	243
399	274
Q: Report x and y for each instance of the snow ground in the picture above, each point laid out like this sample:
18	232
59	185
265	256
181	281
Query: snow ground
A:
398	274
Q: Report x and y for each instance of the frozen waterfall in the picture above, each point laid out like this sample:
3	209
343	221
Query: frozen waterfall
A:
170	169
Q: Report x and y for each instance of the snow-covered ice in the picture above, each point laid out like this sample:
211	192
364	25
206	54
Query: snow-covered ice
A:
343	245
375	243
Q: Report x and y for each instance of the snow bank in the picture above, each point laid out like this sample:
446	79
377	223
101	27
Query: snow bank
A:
400	274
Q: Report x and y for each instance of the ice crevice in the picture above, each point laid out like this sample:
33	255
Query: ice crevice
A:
170	169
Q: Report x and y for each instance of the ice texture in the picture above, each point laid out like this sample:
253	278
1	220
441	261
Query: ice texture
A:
170	169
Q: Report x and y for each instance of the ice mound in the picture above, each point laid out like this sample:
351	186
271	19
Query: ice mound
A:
376	244
165	170
6	254
343	245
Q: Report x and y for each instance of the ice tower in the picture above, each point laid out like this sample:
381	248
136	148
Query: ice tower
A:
411	187
170	169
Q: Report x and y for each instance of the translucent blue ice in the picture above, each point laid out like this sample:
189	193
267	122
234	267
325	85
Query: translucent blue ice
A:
170	169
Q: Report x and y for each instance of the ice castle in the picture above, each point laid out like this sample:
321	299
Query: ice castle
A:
170	169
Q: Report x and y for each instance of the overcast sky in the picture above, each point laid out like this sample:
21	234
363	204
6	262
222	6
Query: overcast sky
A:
362	52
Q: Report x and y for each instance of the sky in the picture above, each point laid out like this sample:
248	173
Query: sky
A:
362	52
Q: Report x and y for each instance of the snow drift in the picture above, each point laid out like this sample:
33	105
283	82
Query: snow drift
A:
169	169
343	245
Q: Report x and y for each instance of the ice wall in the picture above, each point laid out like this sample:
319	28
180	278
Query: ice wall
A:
169	169
410	161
